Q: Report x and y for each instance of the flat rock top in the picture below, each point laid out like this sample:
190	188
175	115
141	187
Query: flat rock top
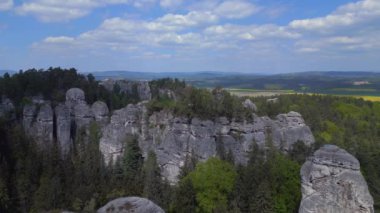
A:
332	155
130	204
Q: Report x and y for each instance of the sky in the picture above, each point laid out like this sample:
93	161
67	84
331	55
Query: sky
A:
251	36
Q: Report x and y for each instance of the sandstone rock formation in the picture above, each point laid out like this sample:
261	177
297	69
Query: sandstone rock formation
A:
6	106
332	183
63	128
38	121
70	117
100	111
174	139
250	105
129	205
74	96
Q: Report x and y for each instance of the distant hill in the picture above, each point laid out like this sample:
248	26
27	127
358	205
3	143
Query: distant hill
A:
132	75
335	74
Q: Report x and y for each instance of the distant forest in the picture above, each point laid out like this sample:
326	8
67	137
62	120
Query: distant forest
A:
32	180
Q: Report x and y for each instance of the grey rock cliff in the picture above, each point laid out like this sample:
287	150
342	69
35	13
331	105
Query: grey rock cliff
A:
332	183
38	122
6	107
63	128
100	111
129	205
70	117
74	96
176	138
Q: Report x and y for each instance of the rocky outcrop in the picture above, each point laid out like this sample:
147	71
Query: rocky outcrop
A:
6	107
129	205
100	111
332	183
74	96
70	117
142	88
38	121
174	139
63	128
249	105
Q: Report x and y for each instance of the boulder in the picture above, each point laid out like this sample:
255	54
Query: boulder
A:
129	205
249	105
74	96
100	111
332	183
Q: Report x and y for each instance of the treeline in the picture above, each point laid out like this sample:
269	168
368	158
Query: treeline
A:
52	84
191	102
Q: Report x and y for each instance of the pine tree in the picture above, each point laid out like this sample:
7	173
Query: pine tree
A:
132	165
153	187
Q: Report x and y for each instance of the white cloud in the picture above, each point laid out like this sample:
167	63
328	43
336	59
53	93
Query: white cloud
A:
251	32
235	9
346	15
205	32
66	10
59	39
6	4
170	3
56	11
193	18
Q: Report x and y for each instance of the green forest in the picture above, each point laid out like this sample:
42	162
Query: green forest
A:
32	180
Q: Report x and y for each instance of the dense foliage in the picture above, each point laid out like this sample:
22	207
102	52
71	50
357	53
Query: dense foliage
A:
202	103
352	124
52	84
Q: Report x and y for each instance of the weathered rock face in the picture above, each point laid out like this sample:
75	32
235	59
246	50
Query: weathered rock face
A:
176	138
74	96
250	105
123	122
38	122
6	107
129	205
129	87
100	111
70	117
332	183
63	128
82	116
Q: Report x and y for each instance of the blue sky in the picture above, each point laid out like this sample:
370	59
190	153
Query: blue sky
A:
256	36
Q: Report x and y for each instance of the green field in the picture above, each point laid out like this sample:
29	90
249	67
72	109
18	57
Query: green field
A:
257	93
269	93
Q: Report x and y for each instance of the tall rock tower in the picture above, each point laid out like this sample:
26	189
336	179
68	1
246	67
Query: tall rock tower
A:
332	183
